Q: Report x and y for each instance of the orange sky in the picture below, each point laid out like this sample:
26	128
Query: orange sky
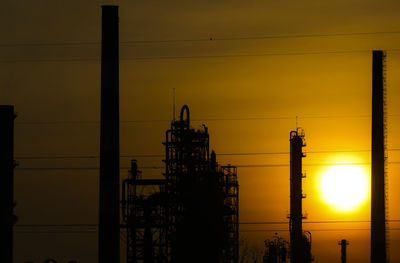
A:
319	88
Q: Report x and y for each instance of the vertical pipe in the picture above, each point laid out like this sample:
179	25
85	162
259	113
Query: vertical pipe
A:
378	228
109	225
343	244
7	182
296	228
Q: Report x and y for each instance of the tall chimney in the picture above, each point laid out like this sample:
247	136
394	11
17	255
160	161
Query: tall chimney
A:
7	182
378	214
109	225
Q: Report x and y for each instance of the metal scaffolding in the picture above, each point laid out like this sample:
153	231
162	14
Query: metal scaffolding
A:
276	250
191	215
143	214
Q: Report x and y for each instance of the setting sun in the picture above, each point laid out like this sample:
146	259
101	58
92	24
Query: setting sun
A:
345	187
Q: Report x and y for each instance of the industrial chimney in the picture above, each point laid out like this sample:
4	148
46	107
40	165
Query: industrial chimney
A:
109	224
7	182
378	201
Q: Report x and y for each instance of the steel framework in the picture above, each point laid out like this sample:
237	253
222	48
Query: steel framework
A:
191	215
143	214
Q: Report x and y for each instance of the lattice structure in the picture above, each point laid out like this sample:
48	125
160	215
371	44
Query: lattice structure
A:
276	250
190	216
144	215
202	196
230	187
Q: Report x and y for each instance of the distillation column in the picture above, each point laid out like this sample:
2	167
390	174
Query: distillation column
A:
296	196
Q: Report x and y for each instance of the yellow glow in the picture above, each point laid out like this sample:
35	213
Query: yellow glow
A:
345	187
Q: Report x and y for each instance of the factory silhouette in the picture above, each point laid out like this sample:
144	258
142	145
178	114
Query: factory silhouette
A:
192	214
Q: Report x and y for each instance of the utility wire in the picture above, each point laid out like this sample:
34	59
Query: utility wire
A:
196	56
314	222
316	230
240	223
162	167
122	236
56	232
49	157
251	230
89	43
56	225
165	120
202	120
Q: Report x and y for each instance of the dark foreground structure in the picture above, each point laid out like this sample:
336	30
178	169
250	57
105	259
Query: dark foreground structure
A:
7	183
343	250
378	175
276	250
192	214
109	209
300	241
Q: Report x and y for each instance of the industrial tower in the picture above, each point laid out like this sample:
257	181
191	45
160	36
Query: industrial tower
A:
300	242
7	182
378	158
276	250
343	250
109	210
203	197
144	207
190	216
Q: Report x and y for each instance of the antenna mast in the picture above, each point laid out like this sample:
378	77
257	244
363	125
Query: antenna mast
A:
173	104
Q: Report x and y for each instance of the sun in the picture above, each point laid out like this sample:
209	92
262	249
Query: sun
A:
345	187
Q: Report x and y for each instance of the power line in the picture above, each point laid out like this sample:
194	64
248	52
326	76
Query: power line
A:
314	222
316	230
162	167
49	157
168	120
210	39
56	225
59	156
251	230
247	55
202	120
195	56
56	232
241	223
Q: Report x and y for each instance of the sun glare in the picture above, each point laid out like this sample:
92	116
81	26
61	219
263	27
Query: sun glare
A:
345	187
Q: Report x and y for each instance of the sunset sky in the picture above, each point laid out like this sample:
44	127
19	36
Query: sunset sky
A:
246	69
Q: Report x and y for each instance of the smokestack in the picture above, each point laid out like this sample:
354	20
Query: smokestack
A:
378	213
109	225
7	182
